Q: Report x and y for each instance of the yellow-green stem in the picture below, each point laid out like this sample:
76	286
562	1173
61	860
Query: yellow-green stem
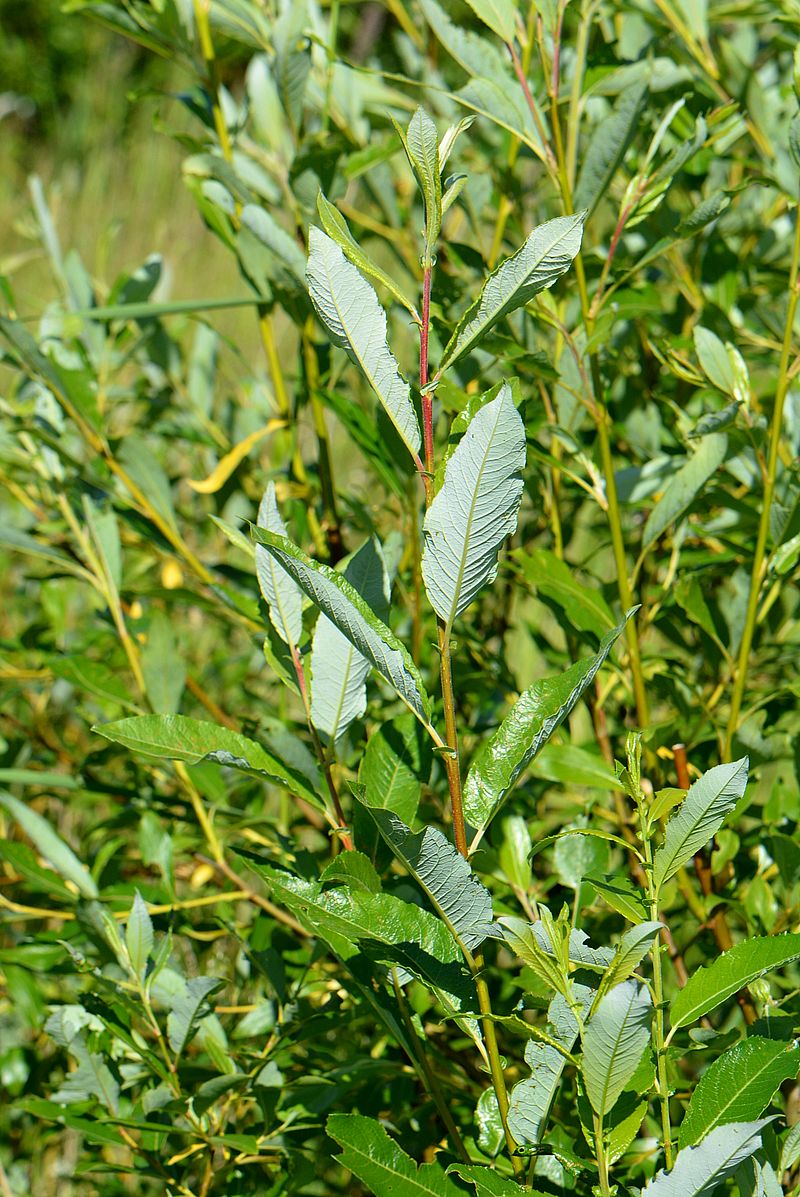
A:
759	559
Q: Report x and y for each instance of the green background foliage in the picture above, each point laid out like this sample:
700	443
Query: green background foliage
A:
317	323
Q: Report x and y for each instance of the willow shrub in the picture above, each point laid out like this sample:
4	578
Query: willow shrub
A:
400	731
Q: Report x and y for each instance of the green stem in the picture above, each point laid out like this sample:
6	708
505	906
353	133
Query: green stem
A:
659	1040
759	559
566	172
600	1155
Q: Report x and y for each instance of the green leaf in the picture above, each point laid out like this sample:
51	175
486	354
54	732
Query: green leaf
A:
355	321
499	15
188	1008
722	364
179	738
685	485
345	608
700	817
614	1041
397	932
574	856
525	730
514	851
421	144
391	768
584	606
139	936
621	895
699	1170
50	845
162	665
354	869
92	1078
522	938
631	950
380	1164
338	670
487	1182
283	597
545	256
607	146
269	255
338	230
475	509
93	677
574	766
530	1099
24	861
709	987
738	1086
457	894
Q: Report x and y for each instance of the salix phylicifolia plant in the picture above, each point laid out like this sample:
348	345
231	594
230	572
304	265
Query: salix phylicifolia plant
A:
406	985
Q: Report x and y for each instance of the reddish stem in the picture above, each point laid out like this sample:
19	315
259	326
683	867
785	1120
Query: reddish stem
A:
427	400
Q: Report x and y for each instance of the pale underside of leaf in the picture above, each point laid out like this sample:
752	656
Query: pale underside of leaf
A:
613	1042
700	817
475	509
283	596
354	319
699	1170
545	256
338	670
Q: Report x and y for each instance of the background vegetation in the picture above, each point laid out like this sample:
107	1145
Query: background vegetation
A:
195	1038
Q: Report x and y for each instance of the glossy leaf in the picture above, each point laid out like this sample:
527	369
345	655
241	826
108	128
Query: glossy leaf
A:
369	1152
614	1040
712	985
391	768
178	738
346	609
524	731
355	321
475	509
545	256
699	817
738	1086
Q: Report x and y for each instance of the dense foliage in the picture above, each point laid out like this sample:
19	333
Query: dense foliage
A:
398	752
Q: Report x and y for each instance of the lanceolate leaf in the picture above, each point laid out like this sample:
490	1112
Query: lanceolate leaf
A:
475	509
487	1182
282	596
354	319
499	15
421	144
607	145
179	738
462	901
631	950
50	845
528	726
139	936
699	1170
709	987
738	1086
187	1008
530	1099
338	670
345	608
685	485
700	817
337	228
544	257
379	1162
615	1037
393	766
395	932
